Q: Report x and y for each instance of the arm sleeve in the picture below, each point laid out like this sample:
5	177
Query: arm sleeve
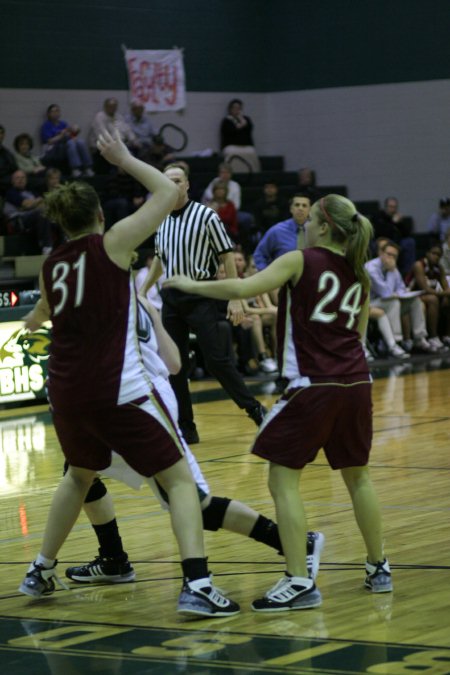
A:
218	237
261	254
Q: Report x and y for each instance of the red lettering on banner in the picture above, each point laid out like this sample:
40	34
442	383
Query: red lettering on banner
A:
153	82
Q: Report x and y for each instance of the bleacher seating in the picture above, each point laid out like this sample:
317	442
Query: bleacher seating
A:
19	266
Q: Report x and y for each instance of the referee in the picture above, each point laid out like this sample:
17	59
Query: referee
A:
192	240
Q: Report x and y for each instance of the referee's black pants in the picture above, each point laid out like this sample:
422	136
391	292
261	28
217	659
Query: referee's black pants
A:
183	314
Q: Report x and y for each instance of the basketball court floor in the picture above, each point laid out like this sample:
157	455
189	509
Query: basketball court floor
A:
133	629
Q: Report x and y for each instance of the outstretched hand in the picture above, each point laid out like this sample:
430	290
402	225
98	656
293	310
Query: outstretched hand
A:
112	148
181	283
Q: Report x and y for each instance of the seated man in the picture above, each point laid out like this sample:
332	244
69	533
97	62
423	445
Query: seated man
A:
283	237
24	210
140	124
388	291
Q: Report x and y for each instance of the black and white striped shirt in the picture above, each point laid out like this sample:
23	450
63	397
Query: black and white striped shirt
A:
190	240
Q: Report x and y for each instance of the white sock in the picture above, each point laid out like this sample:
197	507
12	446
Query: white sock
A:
48	563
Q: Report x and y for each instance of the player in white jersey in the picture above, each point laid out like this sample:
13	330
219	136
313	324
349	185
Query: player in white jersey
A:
161	357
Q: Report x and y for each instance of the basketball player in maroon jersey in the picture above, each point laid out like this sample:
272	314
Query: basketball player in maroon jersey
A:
100	393
322	317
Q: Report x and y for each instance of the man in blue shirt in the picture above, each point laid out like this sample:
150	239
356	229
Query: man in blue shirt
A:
282	237
388	291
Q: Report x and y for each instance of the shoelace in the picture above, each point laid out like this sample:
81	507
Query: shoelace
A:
283	591
217	598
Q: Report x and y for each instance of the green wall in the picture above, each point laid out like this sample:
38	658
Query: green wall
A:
230	45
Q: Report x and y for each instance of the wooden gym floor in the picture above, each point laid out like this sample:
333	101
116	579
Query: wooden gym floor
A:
133	628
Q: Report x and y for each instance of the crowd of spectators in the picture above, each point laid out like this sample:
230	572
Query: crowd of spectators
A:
410	292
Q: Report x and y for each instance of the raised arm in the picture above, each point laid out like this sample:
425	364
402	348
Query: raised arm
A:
288	267
126	235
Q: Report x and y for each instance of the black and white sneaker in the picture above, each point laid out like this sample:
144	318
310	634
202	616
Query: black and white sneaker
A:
40	581
201	598
105	570
288	594
378	578
314	545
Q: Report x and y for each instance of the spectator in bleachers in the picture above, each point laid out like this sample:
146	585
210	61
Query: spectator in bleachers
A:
307	183
52	181
389	223
236	138
109	119
121	196
7	163
388	291
439	223
62	143
245	220
263	313
283	237
224	175
269	209
140	123
159	153
445	261
25	159
384	327
225	209
24	211
429	275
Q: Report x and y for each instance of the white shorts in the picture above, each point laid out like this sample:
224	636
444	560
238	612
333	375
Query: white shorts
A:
120	470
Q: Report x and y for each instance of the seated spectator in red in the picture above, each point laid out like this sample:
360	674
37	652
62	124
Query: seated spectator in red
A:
24	210
428	275
62	143
7	163
225	208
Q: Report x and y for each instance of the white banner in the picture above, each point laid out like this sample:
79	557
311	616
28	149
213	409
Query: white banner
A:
156	78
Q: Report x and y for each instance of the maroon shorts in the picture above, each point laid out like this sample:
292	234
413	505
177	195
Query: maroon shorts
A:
144	435
337	418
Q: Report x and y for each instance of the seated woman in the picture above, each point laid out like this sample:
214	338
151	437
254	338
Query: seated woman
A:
25	159
236	139
225	209
428	275
62	143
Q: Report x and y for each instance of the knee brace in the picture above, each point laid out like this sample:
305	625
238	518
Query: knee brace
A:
96	491
214	513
